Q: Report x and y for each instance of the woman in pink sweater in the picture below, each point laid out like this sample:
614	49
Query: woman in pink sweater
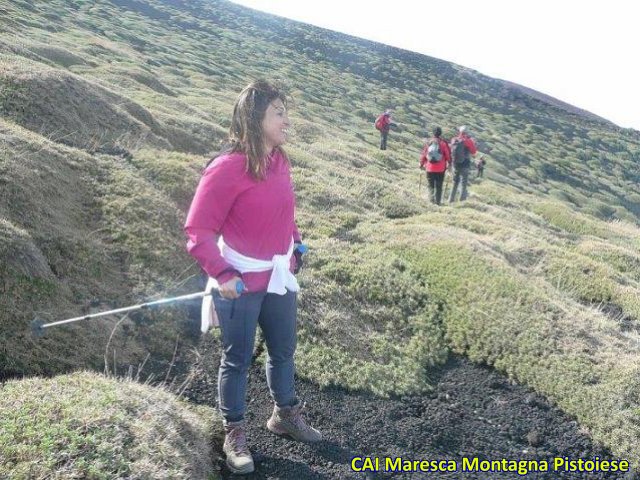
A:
242	232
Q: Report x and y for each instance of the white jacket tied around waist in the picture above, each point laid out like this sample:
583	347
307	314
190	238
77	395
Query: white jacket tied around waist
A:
280	281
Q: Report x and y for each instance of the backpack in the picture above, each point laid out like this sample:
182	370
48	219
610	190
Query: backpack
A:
380	122
434	155
459	153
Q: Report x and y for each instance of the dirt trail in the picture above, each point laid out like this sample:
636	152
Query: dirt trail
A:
473	412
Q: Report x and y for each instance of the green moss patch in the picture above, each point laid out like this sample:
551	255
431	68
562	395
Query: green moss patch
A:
87	426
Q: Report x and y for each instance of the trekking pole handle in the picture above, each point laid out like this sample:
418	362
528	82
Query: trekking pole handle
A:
302	248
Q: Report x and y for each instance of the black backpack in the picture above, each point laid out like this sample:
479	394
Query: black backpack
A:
460	153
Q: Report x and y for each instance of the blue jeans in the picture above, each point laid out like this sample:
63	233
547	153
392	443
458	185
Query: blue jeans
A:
276	315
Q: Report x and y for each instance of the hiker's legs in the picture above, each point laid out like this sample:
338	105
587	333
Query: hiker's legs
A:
439	180
383	139
431	186
454	186
278	322
480	170
238	321
464	179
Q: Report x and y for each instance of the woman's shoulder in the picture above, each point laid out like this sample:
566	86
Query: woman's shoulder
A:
228	161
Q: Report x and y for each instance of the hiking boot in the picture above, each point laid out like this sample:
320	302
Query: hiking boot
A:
288	421
239	458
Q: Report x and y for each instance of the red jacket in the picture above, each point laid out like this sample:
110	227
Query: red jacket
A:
385	121
436	167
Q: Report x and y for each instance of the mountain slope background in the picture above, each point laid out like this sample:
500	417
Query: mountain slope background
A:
108	111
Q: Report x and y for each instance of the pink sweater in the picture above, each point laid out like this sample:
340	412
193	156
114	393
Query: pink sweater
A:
256	218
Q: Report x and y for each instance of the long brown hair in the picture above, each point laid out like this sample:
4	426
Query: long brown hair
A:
246	133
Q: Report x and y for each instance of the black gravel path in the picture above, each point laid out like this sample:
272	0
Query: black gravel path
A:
473	412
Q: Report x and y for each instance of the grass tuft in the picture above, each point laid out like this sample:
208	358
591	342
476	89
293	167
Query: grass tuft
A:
85	425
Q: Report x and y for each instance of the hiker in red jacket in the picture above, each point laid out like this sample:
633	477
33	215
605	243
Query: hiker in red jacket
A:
435	159
462	148
384	123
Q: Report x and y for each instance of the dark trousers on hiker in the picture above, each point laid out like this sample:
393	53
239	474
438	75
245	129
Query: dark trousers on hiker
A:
383	139
276	315
434	186
460	178
480	172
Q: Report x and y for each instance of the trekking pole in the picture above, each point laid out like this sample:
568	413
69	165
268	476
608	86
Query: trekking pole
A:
38	326
420	182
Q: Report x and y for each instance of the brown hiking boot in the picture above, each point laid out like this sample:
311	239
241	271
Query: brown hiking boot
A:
239	459
288	421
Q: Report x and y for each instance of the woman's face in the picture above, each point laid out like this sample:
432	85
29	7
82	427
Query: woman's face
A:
275	125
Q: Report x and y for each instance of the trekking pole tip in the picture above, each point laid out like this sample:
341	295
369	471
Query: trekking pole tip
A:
37	327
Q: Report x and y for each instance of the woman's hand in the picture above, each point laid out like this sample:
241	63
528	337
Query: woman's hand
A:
228	288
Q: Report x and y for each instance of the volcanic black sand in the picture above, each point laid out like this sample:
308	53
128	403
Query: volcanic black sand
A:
472	412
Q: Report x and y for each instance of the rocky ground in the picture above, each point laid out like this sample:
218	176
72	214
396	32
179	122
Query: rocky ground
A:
472	412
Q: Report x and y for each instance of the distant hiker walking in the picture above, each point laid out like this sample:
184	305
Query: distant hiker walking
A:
480	163
462	148
435	159
241	228
384	123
